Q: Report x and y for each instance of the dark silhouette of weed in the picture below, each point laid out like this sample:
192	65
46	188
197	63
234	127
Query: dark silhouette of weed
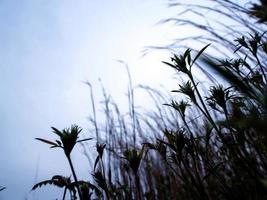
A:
68	138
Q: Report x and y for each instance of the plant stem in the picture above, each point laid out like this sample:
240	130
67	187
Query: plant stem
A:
261	67
64	195
137	182
203	104
75	177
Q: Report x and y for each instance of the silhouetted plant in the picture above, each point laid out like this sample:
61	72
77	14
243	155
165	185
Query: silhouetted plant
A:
210	146
134	158
68	139
61	182
260	11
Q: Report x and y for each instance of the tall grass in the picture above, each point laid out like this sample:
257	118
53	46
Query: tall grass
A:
199	142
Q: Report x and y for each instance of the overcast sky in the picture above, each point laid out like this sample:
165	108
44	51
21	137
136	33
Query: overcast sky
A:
48	48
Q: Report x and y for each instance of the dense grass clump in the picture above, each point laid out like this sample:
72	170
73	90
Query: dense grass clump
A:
207	141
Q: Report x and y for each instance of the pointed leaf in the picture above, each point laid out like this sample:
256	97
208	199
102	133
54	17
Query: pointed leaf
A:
58	142
171	65
84	140
56	131
42	183
199	53
96	161
47	141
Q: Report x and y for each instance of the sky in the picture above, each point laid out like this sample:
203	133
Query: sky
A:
48	49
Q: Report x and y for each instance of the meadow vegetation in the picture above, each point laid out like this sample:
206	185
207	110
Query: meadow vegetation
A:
207	140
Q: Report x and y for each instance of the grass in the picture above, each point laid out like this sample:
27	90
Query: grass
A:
199	143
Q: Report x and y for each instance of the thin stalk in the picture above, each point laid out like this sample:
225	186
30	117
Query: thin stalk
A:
261	67
200	189
104	174
193	142
94	112
228	123
137	184
74	175
203	104
64	194
130	181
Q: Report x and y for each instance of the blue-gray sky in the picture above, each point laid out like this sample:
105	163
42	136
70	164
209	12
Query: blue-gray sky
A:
48	48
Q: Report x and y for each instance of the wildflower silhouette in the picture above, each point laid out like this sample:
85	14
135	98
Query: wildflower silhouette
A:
68	139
